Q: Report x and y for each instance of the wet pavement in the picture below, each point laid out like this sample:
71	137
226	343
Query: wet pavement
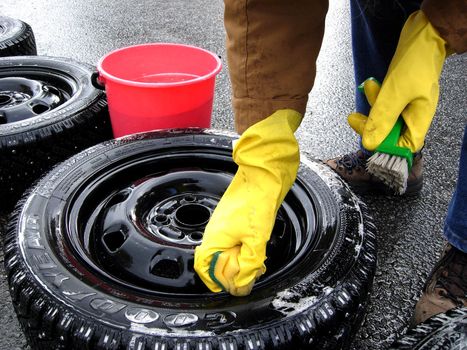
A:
410	230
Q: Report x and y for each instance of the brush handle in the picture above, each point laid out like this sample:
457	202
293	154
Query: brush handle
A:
389	145
394	134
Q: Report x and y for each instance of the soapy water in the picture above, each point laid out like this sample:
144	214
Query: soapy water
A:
289	302
166	78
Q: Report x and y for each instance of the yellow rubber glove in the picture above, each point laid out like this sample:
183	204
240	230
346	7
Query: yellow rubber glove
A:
410	88
231	256
371	90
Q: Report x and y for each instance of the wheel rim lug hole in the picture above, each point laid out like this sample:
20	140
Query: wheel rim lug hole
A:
160	219
189	199
196	236
4	99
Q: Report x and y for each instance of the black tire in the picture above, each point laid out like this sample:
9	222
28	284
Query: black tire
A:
60	114
69	294
16	38
447	331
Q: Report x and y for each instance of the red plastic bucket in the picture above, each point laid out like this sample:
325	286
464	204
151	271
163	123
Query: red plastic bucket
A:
158	86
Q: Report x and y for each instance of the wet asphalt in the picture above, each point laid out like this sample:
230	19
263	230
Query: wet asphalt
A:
410	230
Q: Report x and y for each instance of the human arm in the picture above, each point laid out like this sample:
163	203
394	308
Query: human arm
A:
410	88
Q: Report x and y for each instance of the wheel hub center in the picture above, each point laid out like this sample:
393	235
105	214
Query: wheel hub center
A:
182	218
192	215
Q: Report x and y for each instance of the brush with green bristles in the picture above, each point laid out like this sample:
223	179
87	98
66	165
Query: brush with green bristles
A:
391	163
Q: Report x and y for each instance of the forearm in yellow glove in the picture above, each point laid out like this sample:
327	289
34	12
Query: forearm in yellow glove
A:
232	254
410	88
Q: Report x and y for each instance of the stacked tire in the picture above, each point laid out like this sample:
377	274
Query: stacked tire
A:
99	254
49	110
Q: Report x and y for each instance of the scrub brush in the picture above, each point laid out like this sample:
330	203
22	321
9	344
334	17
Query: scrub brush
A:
391	163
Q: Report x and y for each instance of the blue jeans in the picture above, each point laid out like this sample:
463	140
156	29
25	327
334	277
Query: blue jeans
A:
455	227
375	32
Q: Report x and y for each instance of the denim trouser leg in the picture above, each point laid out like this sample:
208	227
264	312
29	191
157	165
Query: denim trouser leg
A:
455	228
375	32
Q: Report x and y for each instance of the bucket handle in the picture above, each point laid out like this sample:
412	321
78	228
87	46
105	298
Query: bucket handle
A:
96	82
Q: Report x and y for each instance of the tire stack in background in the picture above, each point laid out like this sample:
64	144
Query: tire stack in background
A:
16	38
58	115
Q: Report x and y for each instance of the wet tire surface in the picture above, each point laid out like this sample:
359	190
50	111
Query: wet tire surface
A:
64	302
70	117
16	38
446	331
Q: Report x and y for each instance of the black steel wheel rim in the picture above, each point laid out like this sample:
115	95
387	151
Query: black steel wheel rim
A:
28	92
135	224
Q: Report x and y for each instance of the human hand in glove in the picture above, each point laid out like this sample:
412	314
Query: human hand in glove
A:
410	88
231	256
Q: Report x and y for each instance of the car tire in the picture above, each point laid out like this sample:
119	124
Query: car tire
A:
16	38
99	254
49	110
446	331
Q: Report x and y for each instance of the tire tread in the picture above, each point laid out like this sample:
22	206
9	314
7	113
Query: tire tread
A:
24	44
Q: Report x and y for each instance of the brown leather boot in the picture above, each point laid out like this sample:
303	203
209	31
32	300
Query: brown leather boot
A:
352	168
446	287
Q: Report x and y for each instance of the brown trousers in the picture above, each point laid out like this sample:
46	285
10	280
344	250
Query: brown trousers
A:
272	46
